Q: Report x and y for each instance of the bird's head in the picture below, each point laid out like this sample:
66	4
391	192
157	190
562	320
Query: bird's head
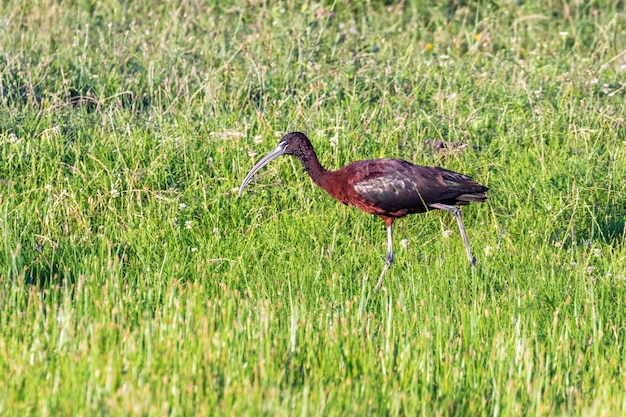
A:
294	143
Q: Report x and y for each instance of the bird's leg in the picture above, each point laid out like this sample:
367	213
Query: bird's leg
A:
388	260
457	213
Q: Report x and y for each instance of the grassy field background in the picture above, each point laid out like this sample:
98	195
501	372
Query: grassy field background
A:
133	281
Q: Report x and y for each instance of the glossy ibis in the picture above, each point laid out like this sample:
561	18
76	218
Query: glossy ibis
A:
388	188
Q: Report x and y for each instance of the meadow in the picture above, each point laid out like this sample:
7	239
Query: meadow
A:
134	281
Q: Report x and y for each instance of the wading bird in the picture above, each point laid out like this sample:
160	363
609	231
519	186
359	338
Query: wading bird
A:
388	188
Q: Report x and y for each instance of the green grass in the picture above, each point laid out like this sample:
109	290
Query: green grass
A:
133	281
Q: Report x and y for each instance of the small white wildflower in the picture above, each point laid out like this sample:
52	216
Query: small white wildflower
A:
549	208
194	249
609	275
597	252
114	193
13	138
188	224
590	269
333	141
563	34
594	81
573	263
182	206
447	233
444	57
257	139
320	132
558	244
404	243
251	154
488	250
215	230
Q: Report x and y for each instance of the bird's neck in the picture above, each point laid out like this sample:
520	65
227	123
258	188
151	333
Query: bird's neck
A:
313	167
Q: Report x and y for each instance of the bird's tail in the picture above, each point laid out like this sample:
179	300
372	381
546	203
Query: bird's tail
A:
468	190
475	197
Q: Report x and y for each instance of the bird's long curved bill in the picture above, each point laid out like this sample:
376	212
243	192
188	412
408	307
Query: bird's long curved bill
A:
278	151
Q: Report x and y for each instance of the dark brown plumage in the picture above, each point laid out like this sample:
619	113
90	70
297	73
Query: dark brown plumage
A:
388	188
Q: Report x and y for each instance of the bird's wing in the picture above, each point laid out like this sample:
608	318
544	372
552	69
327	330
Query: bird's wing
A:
392	184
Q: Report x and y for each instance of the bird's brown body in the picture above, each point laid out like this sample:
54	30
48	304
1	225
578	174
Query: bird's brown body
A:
393	188
388	188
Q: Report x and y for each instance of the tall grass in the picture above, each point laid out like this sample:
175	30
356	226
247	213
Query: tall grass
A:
134	281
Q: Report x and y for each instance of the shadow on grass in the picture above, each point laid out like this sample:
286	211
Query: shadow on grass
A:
65	264
17	90
613	231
